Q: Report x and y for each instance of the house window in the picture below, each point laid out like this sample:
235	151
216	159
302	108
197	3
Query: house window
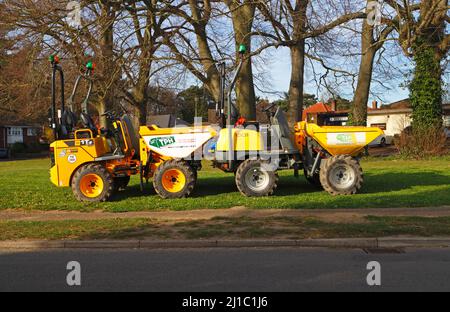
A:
15	135
31	132
447	121
14	131
382	126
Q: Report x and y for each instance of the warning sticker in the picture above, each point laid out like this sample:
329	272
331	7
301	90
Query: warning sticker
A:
72	159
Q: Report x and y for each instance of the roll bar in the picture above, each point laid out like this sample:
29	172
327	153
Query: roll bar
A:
57	122
86	76
56	115
232	110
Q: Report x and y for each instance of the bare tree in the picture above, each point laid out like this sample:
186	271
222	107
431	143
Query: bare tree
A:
190	21
370	45
292	25
243	14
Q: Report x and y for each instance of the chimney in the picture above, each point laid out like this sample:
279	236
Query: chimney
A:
333	105
375	105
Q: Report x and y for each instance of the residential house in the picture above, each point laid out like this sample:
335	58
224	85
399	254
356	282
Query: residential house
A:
11	133
392	118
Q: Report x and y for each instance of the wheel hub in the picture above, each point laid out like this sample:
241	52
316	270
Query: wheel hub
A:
257	179
174	180
342	176
91	185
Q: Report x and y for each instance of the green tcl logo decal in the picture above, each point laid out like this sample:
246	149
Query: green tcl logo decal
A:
162	142
344	138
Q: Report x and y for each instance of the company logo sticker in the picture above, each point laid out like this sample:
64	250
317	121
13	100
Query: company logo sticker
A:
345	138
162	142
63	153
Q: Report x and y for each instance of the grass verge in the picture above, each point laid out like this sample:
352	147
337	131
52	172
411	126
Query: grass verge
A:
224	228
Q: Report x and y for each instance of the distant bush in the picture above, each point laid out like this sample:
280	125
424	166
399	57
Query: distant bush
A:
18	148
422	142
35	148
22	148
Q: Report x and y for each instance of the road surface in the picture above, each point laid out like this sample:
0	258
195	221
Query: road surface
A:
255	270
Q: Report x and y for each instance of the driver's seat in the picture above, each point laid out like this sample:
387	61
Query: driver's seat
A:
88	123
281	127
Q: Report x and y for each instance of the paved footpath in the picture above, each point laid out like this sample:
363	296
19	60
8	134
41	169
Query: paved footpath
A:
329	215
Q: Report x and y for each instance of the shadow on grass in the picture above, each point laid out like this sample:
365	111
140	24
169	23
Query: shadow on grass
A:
289	185
133	191
397	181
379	190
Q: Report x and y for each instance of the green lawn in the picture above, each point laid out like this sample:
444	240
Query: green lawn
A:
388	183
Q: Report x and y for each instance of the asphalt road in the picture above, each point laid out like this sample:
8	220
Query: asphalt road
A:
255	270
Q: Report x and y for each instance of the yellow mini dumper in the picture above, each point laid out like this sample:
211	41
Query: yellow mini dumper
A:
96	163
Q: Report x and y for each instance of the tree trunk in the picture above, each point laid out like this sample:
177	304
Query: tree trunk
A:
212	82
209	66
243	15
101	107
296	86
361	96
295	109
106	43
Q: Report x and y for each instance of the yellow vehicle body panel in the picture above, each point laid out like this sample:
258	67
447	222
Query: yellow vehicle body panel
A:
69	155
341	140
243	140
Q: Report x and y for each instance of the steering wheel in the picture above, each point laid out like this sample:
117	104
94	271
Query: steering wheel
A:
109	115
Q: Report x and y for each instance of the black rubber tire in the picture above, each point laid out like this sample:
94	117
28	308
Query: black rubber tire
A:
188	172
342	160
103	173
245	189
383	142
314	180
121	183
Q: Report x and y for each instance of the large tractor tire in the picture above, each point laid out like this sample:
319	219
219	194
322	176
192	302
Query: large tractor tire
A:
174	179
93	183
255	179
121	183
341	175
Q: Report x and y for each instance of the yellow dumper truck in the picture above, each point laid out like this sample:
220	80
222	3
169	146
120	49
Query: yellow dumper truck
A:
98	162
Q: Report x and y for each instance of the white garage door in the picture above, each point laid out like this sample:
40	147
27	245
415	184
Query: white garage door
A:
15	135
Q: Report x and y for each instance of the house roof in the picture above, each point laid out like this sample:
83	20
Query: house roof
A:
316	108
19	125
399	107
402	104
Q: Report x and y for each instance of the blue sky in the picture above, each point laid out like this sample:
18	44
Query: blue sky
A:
279	70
